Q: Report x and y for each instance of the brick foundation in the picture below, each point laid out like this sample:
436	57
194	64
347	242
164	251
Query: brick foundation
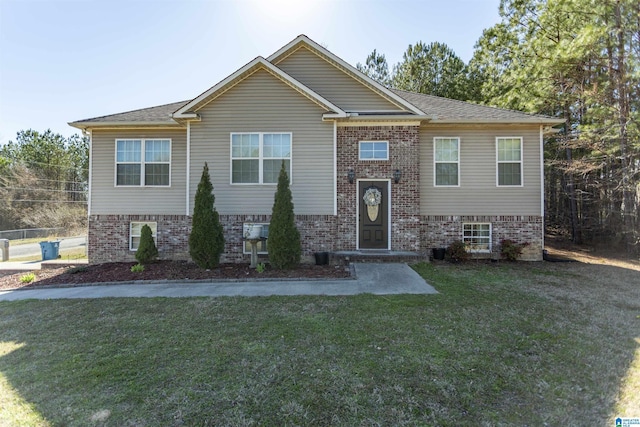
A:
440	231
109	236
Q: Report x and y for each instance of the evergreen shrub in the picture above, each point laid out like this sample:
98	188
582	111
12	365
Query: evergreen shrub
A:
284	239
147	250
206	241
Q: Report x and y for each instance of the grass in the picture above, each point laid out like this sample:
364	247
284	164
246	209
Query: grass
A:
506	344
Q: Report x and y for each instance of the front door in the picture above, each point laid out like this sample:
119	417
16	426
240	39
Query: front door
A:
374	215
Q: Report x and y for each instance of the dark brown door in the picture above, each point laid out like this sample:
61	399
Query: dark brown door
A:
374	213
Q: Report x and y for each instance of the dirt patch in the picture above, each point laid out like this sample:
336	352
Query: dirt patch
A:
563	249
166	270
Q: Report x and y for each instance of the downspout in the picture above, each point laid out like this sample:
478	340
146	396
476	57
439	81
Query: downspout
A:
542	181
335	168
90	133
188	166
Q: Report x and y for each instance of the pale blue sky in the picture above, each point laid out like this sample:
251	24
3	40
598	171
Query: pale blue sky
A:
66	60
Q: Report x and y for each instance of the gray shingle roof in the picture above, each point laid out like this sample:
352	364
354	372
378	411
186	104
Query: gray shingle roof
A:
445	109
160	114
438	109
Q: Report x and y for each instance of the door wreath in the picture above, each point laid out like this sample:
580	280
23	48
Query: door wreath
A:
372	199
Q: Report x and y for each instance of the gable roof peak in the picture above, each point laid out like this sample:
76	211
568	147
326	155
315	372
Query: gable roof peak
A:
303	40
188	111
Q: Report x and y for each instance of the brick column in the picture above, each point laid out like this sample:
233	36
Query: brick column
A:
405	196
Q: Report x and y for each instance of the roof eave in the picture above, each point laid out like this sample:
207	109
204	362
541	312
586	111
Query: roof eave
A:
531	121
138	124
379	117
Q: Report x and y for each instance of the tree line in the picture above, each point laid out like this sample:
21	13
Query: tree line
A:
578	60
44	181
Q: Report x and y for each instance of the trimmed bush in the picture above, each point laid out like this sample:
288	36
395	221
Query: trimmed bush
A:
511	250
147	250
457	252
284	239
206	241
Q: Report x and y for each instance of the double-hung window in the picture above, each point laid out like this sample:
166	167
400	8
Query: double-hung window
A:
256	158
477	237
446	155
143	162
509	161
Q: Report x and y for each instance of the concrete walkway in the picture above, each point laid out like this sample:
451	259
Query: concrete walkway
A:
374	278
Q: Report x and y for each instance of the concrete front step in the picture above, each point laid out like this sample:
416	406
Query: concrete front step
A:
346	257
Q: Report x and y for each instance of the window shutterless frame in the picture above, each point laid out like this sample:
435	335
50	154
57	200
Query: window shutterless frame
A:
257	157
373	150
509	161
135	231
446	153
477	237
141	161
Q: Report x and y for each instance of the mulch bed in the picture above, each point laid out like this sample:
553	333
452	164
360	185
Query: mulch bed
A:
166	270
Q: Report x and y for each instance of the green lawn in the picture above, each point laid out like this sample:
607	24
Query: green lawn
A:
507	344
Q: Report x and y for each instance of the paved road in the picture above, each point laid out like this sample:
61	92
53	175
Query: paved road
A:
378	279
31	249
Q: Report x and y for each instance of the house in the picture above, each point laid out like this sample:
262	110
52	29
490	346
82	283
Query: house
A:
371	168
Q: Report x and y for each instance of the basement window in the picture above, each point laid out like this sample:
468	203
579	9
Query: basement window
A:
477	237
135	231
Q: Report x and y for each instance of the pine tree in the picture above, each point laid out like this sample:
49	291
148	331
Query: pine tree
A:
284	239
206	241
147	250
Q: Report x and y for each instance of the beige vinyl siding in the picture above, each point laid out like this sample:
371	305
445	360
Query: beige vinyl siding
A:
478	193
332	83
106	198
263	103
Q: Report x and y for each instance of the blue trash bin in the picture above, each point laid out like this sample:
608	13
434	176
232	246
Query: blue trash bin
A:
50	249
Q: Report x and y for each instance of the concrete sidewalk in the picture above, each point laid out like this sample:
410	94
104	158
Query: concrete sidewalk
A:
374	278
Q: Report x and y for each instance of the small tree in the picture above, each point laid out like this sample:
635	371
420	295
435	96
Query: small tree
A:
206	241
284	239
147	250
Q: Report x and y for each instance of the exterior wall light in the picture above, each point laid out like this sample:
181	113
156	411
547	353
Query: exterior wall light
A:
397	175
351	175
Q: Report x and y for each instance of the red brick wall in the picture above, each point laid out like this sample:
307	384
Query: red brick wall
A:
109	236
440	231
405	196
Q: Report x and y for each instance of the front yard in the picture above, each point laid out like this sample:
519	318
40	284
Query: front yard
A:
502	344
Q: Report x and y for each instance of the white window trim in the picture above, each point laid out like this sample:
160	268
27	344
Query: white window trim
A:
386	159
498	138
435	162
244	242
142	162
260	158
479	251
153	233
